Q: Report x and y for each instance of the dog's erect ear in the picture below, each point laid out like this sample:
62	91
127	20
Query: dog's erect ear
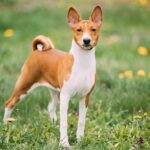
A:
73	16
96	15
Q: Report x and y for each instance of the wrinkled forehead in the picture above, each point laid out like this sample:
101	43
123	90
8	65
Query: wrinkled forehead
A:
86	24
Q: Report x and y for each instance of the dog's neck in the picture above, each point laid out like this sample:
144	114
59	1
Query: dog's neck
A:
82	57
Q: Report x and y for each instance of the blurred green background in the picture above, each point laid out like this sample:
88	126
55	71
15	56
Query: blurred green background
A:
119	113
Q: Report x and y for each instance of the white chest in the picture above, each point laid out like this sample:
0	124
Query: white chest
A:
80	82
82	75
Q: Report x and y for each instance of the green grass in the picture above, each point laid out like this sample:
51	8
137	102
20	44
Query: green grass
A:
115	118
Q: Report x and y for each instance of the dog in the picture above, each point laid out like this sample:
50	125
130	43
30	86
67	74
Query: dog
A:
64	74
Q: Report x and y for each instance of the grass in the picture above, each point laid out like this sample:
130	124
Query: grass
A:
119	112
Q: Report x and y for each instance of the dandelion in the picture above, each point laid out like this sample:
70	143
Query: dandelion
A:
143	2
11	119
142	51
8	33
128	74
145	114
141	73
121	75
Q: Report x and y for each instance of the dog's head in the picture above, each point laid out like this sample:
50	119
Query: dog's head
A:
85	32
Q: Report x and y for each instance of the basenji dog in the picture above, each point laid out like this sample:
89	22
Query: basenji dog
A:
65	74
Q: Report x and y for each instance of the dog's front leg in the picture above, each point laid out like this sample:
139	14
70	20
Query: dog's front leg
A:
81	120
64	102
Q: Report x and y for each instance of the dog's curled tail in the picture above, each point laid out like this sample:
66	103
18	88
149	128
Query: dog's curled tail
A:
42	43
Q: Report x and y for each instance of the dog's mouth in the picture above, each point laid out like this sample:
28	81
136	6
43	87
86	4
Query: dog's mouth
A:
87	47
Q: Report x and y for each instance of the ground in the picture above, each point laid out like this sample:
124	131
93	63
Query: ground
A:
119	113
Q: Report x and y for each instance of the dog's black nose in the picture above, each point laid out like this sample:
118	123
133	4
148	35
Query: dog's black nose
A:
86	41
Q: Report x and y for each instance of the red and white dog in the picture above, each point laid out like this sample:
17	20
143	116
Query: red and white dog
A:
65	74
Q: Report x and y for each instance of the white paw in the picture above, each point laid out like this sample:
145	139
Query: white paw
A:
80	136
53	116
52	113
65	144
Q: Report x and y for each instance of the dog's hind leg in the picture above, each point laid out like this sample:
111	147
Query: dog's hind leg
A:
52	105
21	89
9	105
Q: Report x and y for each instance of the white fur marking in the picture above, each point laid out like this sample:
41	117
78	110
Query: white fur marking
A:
81	121
22	96
39	47
42	84
52	105
7	114
86	35
64	101
83	72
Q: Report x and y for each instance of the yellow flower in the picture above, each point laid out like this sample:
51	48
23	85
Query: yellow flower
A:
143	2
141	73
145	114
11	119
121	75
8	33
137	117
142	51
128	74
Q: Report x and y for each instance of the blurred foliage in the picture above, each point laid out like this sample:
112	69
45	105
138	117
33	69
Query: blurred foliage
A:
8	2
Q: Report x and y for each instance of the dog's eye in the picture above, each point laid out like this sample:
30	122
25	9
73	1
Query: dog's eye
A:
93	30
79	30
